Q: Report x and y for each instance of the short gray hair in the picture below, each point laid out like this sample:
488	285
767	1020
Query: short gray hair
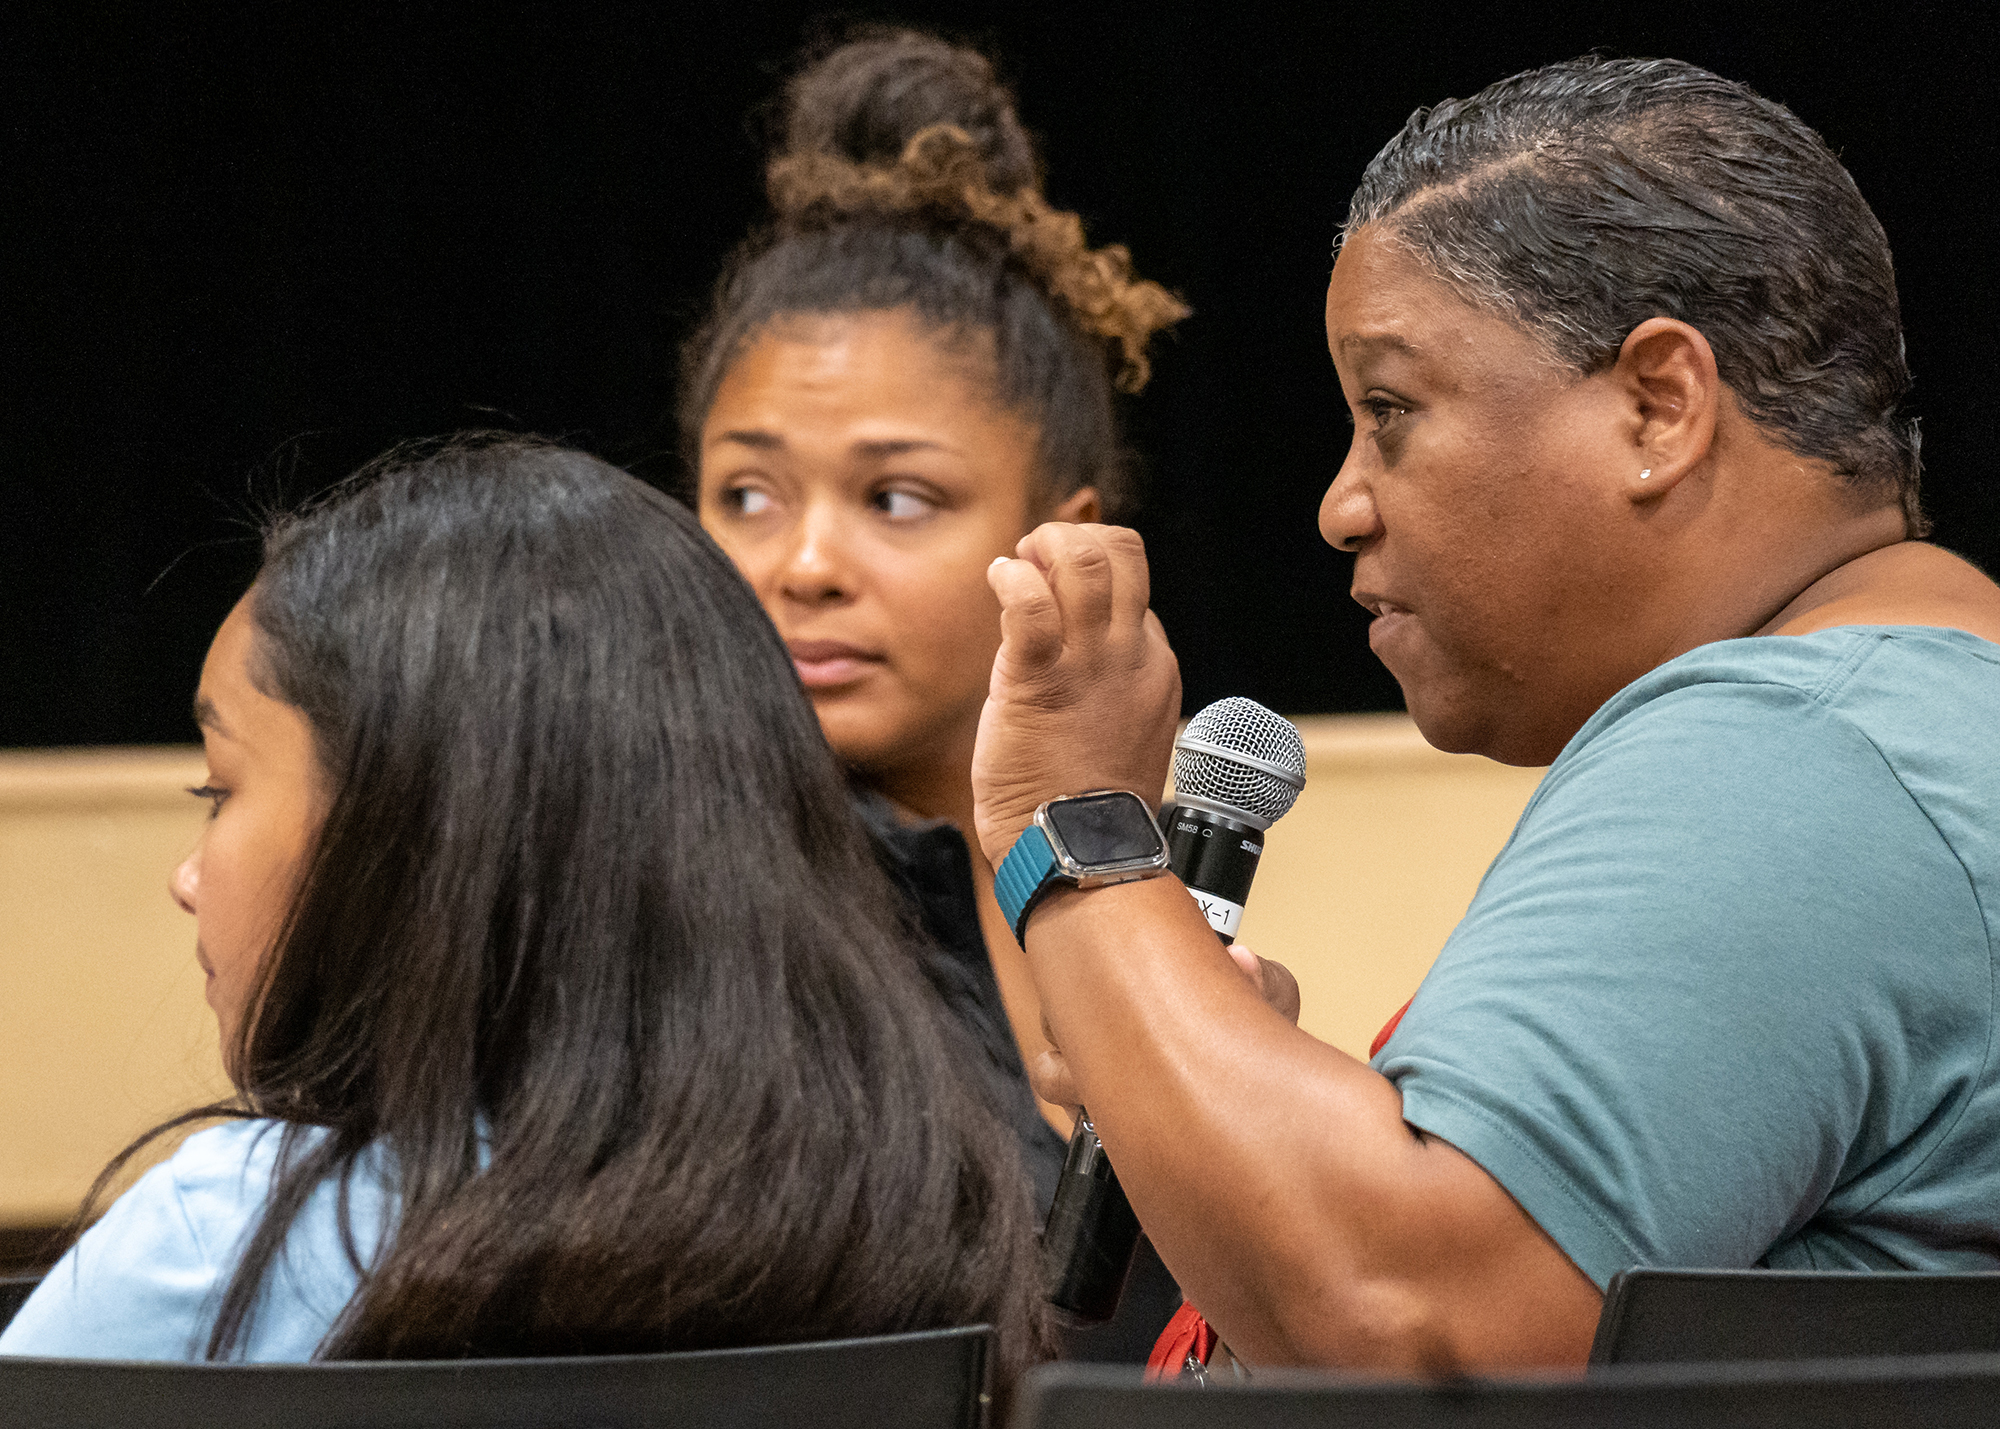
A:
1583	198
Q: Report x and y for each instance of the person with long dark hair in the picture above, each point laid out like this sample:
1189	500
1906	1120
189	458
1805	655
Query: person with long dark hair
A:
916	361
566	1003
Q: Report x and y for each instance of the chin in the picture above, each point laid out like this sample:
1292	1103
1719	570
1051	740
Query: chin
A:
1448	723
1452	736
857	734
1456	729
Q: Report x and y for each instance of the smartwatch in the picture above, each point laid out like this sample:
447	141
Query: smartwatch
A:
1083	841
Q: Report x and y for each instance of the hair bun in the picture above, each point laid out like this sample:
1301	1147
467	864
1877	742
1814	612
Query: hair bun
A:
865	101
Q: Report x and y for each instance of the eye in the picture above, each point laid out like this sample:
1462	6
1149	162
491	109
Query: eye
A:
899	504
1383	410
214	796
747	500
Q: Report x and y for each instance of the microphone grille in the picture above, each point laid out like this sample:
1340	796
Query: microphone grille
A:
1243	728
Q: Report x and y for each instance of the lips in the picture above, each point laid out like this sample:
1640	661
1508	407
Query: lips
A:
828	664
1389	619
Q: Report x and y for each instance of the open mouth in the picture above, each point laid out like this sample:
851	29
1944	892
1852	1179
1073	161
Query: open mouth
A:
1389	618
1379	606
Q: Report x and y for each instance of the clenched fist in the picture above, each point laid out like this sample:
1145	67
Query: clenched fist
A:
1085	692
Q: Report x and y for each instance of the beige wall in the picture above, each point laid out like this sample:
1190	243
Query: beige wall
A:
1362	881
103	1030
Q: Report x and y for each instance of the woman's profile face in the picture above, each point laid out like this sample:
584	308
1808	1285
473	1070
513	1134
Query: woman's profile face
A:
1484	498
263	786
862	478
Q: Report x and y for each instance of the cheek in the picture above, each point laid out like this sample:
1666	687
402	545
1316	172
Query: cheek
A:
246	887
756	560
946	623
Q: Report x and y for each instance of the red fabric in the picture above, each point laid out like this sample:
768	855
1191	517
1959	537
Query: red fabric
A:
1388	1031
1187	1336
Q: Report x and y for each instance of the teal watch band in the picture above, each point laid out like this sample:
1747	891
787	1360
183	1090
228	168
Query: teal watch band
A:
1029	867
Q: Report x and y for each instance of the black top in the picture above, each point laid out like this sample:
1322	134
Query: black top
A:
931	865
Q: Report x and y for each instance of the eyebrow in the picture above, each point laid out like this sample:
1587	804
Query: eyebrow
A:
207	717
891	446
1391	340
897	446
763	441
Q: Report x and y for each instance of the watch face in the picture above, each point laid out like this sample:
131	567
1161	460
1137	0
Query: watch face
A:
1101	829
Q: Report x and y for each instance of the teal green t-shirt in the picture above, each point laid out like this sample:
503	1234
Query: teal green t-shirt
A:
1726	998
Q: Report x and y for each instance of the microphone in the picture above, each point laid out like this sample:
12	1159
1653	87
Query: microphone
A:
1237	769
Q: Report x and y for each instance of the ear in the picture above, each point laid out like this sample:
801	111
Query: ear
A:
1666	371
1083	505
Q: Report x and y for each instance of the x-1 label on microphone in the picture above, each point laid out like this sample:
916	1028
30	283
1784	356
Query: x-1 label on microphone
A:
1223	916
1216	857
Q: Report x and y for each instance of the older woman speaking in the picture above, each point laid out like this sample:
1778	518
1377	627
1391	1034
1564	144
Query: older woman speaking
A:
1631	490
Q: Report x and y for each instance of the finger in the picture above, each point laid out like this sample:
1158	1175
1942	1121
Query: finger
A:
1158	646
1249	964
1079	571
1051	1079
1274	981
1031	623
1280	988
1132	578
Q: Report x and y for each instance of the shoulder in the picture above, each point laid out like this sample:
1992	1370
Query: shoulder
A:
1691	977
1842	727
1881	676
136	1285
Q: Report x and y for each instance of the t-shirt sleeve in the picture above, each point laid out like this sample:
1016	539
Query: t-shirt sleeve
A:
1691	995
142	1283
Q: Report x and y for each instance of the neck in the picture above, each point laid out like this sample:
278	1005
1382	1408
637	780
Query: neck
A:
1729	571
1780	575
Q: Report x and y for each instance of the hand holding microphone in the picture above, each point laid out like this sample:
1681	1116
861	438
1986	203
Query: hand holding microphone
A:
1084	697
1237	770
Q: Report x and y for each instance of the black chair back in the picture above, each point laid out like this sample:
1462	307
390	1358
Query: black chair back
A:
933	1380
1940	1392
1675	1316
14	1293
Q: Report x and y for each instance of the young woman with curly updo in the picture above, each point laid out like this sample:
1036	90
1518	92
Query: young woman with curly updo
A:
908	370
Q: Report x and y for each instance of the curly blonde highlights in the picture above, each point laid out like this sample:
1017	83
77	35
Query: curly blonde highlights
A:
941	175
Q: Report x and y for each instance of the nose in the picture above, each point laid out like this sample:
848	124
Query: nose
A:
1348	518
186	878
816	570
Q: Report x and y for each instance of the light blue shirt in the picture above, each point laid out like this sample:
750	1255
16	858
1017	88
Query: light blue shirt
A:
145	1281
1726	997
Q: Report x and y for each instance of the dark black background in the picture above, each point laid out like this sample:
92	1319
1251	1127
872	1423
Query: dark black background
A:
252	246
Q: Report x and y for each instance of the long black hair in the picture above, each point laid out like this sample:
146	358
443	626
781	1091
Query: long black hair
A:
592	949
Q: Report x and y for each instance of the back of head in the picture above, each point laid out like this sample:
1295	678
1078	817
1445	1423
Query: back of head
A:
591	947
906	182
1583	198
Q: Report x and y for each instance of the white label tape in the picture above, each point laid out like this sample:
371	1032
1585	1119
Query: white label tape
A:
1223	916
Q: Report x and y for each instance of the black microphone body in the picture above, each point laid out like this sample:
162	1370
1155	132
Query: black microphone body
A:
1091	1235
1216	857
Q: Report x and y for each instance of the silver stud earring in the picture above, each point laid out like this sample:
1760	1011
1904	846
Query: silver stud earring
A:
1646	473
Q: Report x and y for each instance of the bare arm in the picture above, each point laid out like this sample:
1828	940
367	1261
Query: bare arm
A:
1275	1174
